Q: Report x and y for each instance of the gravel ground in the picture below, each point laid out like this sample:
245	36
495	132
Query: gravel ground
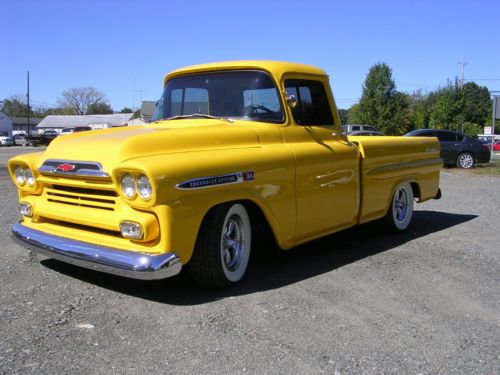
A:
426	301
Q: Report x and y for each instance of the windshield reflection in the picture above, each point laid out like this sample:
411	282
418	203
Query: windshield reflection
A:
248	95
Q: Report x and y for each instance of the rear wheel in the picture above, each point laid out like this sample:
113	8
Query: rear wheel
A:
400	212
223	246
465	160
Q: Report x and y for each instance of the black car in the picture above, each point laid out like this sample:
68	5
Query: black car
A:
456	148
48	136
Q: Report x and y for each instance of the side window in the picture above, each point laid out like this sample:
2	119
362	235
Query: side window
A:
312	107
460	138
189	100
446	137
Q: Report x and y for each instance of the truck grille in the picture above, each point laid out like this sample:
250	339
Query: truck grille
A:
83	197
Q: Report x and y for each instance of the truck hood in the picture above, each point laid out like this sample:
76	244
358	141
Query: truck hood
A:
111	147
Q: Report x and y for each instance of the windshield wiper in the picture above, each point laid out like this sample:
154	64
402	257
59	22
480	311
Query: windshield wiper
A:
199	115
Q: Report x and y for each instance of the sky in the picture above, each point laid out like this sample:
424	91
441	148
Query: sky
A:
124	48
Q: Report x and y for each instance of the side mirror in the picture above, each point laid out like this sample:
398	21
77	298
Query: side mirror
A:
292	101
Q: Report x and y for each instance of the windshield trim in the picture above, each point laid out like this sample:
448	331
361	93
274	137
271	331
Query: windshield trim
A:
239	118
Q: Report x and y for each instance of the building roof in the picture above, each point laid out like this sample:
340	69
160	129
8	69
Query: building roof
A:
24	120
64	121
4	116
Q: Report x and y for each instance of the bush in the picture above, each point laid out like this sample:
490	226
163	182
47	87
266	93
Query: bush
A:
472	129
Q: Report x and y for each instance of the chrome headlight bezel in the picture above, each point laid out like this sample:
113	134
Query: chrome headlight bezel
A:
29	177
127	185
144	187
144	190
19	175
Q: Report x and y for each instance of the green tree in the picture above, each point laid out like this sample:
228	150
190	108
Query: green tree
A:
99	108
343	114
15	107
353	116
447	107
418	114
381	104
127	110
477	104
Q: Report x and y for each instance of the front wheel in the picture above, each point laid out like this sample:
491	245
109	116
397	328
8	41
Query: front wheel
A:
465	160
223	246
400	212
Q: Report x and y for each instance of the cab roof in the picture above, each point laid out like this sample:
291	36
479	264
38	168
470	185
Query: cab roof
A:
275	68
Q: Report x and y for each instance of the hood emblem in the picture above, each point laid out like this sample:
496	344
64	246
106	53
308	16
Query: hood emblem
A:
65	167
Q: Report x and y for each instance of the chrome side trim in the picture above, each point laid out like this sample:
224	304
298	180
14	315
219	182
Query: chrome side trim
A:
209	181
105	259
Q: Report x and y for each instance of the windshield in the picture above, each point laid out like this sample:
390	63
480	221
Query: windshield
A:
248	95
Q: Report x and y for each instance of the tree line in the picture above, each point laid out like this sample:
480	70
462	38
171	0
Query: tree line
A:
73	101
466	108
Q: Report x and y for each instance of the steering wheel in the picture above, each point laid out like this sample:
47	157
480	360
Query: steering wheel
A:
256	109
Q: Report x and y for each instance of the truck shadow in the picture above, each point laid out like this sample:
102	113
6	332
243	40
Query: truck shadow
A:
271	268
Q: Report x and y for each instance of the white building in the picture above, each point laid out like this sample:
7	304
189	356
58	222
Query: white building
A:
5	125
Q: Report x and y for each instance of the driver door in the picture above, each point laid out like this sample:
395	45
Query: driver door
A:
327	181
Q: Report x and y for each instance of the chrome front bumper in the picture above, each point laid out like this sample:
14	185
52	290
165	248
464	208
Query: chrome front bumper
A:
105	259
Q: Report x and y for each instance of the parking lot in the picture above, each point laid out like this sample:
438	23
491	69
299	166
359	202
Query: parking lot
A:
360	301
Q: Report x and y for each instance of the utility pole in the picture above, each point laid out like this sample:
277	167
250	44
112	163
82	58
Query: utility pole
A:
134	91
462	63
28	100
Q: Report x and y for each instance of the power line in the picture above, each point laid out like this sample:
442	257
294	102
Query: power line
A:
482	79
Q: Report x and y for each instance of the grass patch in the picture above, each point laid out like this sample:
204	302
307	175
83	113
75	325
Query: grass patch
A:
491	169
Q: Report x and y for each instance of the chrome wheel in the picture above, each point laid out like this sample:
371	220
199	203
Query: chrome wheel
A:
400	206
235	243
232	243
465	160
399	215
223	246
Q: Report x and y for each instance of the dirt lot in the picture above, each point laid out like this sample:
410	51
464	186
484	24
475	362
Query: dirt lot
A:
360	301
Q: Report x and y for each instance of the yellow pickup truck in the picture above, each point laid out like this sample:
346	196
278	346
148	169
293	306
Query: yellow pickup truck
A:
232	145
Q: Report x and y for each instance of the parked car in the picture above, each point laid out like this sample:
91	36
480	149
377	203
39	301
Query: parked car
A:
19	140
24	140
82	129
349	128
48	136
6	141
456	148
365	132
496	146
75	130
67	131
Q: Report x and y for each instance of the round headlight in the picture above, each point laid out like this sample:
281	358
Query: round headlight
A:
19	173
30	179
144	187
128	186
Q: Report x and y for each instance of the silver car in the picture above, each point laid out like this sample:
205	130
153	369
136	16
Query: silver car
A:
6	141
